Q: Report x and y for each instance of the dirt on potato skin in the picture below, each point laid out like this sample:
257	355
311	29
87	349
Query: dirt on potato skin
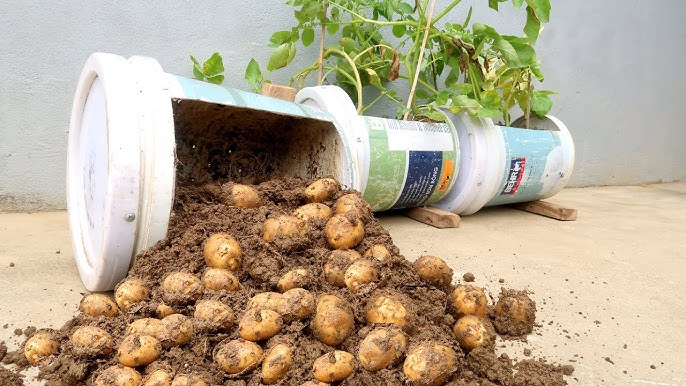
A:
198	212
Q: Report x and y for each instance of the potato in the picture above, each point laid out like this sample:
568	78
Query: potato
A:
313	212
382	347
90	342
176	330
188	380
241	196
296	304
276	363
98	305
40	346
469	300
218	279
333	321
158	378
259	324
353	205
360	273
221	250
238	356
266	300
286	232
213	316
389	308
433	271
379	252
515	313
321	190
138	350
334	366
343	232
145	326
181	288
164	310
338	262
118	375
130	292
473	331
429	364
296	278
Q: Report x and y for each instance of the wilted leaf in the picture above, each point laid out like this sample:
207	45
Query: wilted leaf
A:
394	73
374	79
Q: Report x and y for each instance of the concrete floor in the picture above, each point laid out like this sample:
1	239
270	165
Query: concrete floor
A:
610	287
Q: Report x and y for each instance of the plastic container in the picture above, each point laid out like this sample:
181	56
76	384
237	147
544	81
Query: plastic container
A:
401	163
131	121
502	165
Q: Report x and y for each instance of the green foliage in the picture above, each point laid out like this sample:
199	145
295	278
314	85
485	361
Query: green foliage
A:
211	71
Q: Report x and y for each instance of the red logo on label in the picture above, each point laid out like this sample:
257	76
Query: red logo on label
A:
515	177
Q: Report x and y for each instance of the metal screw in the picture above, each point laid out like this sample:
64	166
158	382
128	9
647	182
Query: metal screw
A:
130	217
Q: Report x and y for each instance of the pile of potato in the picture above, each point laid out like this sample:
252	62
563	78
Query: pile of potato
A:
185	308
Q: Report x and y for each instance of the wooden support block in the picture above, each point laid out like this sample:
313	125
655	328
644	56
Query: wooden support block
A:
278	91
547	209
435	217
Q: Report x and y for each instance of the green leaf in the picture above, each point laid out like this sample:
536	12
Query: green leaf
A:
541	8
452	78
307	36
533	26
280	57
253	74
434	115
488	113
195	61
442	97
540	104
348	44
279	38
469	17
405	9
197	73
374	79
491	100
213	66
515	54
517	3
464	103
536	71
421	94
399	30
332	28
217	79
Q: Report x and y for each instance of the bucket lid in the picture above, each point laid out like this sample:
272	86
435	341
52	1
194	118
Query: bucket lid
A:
104	170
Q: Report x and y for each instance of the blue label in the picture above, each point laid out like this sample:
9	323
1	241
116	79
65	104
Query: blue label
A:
423	176
515	174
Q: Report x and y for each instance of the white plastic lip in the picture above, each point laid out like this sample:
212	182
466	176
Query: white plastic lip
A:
567	144
104	259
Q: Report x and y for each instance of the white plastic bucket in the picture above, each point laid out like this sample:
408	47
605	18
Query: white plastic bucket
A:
400	164
123	146
502	165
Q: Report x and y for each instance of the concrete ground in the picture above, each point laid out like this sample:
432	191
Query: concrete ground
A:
610	287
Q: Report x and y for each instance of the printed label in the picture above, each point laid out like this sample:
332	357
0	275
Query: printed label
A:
517	166
423	171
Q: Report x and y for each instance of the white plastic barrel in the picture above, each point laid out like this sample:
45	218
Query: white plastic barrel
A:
121	154
401	164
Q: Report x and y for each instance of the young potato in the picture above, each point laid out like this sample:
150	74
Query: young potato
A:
334	366
276	363
138	350
361	272
238	356
382	347
130	292
355	206
266	300
344	232
40	346
176	330
188	380
145	326
296	304
321	190
218	279
338	262
333	321
515	313
469	300
221	250
429	364
91	342
389	308
378	252
296	278
98	305
286	232
164	310
118	375
259	324
213	316
473	331
240	196
181	288
313	212
433	271
158	378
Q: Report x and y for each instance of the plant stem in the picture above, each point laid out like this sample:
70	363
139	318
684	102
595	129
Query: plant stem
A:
421	57
363	20
321	48
446	10
528	99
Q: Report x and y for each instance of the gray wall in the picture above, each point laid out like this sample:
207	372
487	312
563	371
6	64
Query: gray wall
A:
617	65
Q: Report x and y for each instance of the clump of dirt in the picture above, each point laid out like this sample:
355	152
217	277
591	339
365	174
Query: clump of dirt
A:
10	378
199	212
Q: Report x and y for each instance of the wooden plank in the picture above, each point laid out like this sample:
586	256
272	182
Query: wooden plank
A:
278	91
547	209
435	217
